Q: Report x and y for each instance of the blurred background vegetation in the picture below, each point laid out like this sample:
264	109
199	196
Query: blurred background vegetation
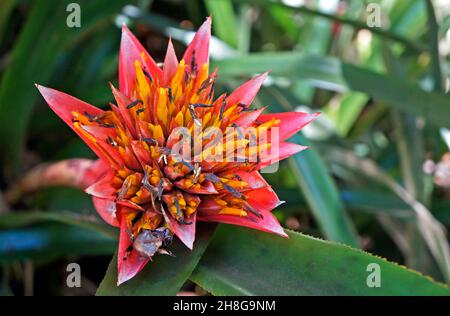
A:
377	175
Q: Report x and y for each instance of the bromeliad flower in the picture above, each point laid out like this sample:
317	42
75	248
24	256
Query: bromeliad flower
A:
155	177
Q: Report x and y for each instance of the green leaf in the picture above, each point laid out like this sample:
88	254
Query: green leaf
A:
433	28
50	241
164	275
6	7
240	261
376	202
225	25
322	194
332	74
351	105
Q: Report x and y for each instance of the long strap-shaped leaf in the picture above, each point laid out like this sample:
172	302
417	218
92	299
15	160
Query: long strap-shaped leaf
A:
333	74
244	262
322	195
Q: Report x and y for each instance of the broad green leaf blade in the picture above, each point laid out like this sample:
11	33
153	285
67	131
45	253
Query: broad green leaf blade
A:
240	261
50	241
225	25
164	275
322	194
332	74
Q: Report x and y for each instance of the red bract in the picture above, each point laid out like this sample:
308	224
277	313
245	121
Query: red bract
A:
142	185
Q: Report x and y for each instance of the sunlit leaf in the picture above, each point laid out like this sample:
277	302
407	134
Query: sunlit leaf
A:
238	260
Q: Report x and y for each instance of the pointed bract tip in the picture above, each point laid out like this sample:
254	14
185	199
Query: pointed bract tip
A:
206	26
122	278
111	85
45	91
280	232
265	74
188	243
126	32
261	77
124	27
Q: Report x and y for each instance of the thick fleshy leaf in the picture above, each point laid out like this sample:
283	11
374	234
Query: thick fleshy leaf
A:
128	263
198	50
107	210
130	51
290	122
170	64
238	260
245	93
